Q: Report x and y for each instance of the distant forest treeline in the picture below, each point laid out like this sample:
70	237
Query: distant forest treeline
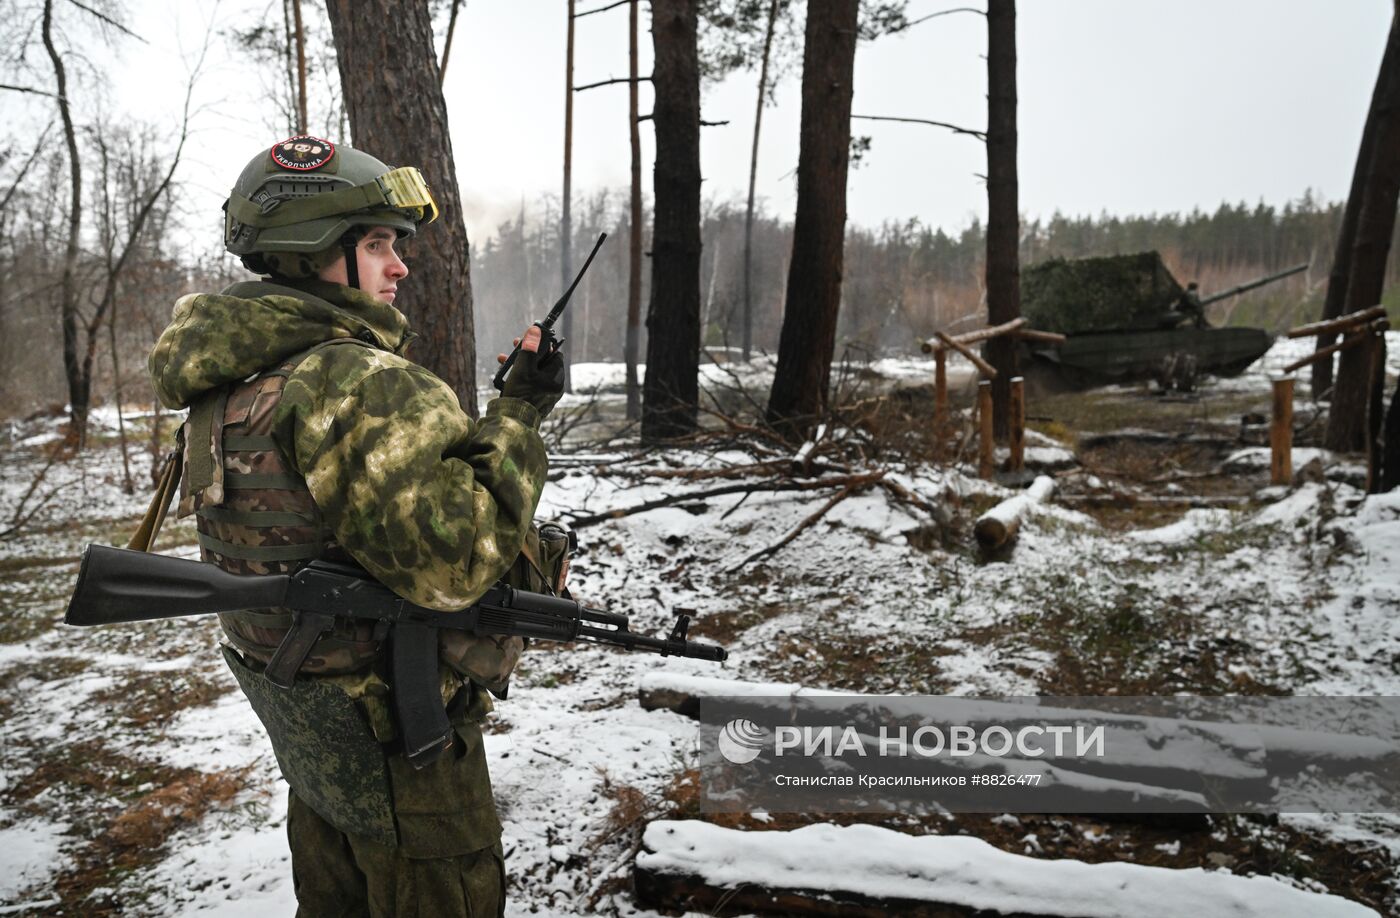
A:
902	280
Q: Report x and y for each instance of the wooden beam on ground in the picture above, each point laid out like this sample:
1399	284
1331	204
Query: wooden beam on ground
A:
1017	440
1344	323
999	525
1281	432
1353	338
983	367
986	441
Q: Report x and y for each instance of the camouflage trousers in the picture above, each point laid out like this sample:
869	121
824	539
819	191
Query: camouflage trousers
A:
341	875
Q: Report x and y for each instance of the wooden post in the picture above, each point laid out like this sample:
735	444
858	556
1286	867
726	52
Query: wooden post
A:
1375	412
940	400
1281	432
986	442
1018	423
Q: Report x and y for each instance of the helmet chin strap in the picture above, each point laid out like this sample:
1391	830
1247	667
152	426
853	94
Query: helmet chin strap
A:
350	246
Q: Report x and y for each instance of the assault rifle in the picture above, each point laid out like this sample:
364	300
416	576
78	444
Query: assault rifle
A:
120	585
548	343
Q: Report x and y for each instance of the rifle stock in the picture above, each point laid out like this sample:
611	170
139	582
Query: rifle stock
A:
117	585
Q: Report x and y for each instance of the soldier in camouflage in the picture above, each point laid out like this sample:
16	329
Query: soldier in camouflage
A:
311	435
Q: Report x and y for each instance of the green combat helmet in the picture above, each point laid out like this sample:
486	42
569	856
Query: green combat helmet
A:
295	203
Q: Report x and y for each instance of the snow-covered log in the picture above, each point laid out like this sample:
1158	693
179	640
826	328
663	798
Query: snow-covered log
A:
998	525
1159	764
869	870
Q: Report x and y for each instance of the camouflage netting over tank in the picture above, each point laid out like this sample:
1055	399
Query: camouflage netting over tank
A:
1118	292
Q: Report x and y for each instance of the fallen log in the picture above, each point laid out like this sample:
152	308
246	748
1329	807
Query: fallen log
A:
1164	760
999	525
869	870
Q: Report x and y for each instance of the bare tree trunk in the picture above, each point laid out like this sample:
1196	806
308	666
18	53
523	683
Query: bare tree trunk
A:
632	345
389	76
566	230
289	61
813	299
753	181
1347	418
300	35
1003	219
447	42
67	291
670	391
1333	305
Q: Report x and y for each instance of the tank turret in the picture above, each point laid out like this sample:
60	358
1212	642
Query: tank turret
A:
1126	317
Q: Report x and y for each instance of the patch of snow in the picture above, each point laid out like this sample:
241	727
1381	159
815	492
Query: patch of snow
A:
1196	522
1260	457
30	854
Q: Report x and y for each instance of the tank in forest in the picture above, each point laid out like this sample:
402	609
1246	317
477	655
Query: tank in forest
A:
1126	318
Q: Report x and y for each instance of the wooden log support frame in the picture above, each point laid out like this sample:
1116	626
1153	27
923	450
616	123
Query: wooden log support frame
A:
1018	424
986	443
1281	432
940	401
1364	328
939	345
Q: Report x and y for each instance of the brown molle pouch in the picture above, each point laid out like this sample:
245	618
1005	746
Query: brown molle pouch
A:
542	567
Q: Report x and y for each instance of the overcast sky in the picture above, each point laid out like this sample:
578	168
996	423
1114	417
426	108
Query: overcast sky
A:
1126	106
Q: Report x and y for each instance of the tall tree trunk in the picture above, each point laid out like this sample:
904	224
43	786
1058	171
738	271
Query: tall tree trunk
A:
566	231
1003	220
289	44
670	391
632	344
300	36
813	299
1333	305
753	181
78	382
1347	420
389	76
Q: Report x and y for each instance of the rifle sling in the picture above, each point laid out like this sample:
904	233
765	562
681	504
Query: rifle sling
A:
167	485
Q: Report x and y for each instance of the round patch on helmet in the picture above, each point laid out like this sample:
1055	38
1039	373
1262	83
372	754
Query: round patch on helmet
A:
303	153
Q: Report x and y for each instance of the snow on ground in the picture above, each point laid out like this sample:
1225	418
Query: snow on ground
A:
1306	589
967	872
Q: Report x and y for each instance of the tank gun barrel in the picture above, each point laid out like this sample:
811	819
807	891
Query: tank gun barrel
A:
1250	285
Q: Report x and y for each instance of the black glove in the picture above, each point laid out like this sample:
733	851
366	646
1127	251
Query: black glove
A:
539	381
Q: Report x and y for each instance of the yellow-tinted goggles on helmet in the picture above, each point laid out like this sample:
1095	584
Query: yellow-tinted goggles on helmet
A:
404	189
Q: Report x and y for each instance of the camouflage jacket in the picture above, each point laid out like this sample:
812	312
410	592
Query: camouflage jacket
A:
430	502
